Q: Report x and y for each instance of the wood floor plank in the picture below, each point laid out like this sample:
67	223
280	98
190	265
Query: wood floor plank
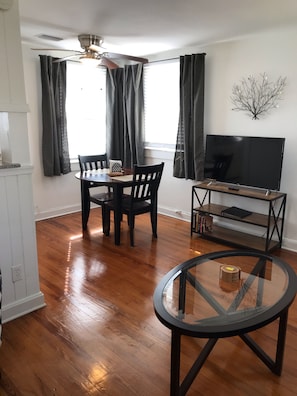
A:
98	334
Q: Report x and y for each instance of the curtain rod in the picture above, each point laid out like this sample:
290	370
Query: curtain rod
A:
169	59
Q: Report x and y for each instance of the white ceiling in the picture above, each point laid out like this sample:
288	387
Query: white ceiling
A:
145	27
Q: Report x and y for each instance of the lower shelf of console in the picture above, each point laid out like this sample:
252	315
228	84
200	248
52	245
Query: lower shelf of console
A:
239	239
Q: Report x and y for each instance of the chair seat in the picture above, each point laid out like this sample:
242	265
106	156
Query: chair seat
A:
101	198
138	207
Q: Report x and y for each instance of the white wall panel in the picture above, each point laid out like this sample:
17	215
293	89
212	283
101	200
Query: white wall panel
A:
18	243
17	226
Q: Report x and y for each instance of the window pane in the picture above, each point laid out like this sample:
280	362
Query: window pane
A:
161	101
86	109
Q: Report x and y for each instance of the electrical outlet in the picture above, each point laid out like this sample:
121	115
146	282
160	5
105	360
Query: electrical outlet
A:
17	273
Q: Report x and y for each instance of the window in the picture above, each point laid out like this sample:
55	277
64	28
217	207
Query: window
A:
86	109
161	103
86	106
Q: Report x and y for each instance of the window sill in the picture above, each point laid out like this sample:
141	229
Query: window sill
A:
170	147
163	153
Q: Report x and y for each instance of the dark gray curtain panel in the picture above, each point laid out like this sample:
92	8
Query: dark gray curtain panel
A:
115	114
189	152
125	115
55	153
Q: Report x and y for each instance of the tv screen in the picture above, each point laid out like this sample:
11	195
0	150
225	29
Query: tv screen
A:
244	160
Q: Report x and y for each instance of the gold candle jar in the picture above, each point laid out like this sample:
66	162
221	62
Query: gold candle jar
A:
229	277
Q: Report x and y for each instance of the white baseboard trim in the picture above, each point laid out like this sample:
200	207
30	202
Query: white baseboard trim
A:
22	307
176	213
57	212
288	244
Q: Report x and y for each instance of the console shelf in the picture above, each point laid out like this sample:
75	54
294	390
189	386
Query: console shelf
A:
204	211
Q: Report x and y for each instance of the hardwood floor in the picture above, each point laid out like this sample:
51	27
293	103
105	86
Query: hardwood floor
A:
98	334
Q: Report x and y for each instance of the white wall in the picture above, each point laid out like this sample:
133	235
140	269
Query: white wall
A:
52	195
18	262
272	52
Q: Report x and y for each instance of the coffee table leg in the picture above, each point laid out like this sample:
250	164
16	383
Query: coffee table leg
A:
177	389
175	363
274	365
281	341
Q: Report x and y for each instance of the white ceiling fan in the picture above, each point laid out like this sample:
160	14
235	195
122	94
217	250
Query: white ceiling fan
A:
93	50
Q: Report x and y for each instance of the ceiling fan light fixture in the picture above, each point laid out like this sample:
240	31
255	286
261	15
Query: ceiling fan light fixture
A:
90	59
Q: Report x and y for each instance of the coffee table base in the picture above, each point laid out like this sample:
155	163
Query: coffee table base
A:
177	389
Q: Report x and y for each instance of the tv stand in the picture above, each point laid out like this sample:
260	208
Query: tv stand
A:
207	217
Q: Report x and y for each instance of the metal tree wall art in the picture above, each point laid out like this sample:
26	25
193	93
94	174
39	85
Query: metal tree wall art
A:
257	96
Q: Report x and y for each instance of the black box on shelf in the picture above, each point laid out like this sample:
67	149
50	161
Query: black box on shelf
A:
236	212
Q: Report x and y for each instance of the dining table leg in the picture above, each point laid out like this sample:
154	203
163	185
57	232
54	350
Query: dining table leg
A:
85	204
118	191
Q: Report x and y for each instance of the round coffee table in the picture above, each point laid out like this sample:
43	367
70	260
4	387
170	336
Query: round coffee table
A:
199	298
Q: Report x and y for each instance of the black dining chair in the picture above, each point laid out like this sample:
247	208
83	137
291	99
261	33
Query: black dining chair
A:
89	163
142	199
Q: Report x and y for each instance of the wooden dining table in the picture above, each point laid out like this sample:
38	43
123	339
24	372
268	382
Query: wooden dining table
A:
103	177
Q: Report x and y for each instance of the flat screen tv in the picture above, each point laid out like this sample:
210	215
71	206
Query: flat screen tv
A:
244	160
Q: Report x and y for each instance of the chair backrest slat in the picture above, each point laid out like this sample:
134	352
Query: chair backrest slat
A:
146	181
92	162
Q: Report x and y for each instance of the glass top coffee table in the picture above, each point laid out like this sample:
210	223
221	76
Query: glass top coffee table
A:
224	294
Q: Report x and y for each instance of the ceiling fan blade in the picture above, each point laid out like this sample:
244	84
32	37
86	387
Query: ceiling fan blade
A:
54	49
113	55
96	48
65	58
108	63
